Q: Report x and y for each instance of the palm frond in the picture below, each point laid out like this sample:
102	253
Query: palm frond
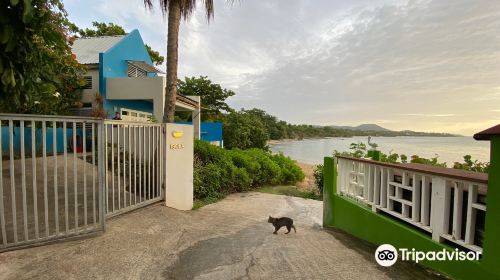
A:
187	7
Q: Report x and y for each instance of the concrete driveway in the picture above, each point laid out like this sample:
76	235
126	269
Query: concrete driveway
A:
227	240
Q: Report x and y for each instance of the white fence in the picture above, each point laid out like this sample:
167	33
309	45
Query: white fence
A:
449	204
62	176
49	183
135	173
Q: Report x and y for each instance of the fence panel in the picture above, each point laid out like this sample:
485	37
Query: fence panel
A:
133	160
451	209
49	178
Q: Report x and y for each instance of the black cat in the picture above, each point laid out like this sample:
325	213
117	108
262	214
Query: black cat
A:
280	222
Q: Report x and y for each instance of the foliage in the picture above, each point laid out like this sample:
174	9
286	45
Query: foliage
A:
98	110
471	165
275	128
428	161
102	29
290	172
218	171
111	29
175	10
358	150
213	96
244	131
318	177
290	191
38	73
391	157
278	129
156	58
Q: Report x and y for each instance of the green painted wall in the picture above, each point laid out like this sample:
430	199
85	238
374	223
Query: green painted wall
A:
491	255
342	213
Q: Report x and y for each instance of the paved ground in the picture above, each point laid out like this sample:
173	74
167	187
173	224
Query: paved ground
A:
227	240
86	187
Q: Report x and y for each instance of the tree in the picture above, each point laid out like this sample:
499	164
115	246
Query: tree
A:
38	72
175	10
213	96
111	29
244	131
155	55
102	29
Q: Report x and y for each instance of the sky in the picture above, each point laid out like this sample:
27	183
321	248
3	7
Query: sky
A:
421	65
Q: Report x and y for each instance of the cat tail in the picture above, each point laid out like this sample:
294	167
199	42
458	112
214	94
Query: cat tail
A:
294	229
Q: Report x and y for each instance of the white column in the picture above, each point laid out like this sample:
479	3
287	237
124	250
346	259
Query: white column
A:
196	117
179	166
440	210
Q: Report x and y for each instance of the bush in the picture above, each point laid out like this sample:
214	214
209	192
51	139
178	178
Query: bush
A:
290	172
318	177
244	131
218	172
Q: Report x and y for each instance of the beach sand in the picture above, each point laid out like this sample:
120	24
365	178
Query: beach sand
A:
308	183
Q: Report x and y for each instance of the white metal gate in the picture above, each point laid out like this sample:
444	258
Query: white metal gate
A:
134	165
61	176
51	178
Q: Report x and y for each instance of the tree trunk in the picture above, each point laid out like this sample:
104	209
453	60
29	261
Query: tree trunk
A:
174	20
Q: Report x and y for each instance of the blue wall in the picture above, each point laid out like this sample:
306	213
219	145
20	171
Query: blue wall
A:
210	131
113	64
38	140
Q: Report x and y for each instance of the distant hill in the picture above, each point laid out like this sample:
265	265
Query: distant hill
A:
363	127
377	130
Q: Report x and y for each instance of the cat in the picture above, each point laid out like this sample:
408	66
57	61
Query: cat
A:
280	222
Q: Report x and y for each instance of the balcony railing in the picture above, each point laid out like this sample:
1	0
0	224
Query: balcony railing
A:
449	204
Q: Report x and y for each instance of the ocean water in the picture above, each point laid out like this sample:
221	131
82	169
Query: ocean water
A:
448	149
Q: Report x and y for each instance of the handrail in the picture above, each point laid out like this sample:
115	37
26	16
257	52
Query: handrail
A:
18	117
434	199
476	177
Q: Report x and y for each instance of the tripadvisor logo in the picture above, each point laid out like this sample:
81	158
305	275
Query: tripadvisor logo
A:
387	255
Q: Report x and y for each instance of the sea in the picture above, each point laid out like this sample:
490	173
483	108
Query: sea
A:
447	149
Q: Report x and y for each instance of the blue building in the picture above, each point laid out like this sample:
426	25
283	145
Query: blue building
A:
122	78
211	132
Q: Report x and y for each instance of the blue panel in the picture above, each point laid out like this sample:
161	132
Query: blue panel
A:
210	131
38	140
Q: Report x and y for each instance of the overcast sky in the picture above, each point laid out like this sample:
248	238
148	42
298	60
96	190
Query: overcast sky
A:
419	65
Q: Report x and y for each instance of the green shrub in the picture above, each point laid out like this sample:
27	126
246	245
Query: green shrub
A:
290	172
318	177
242	159
218	171
242	130
269	172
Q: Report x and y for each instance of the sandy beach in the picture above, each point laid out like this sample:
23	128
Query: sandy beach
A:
308	182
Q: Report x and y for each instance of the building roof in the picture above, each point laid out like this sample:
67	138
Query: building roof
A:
488	133
87	49
146	67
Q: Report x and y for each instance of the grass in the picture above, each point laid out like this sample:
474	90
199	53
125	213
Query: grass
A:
290	191
198	203
282	190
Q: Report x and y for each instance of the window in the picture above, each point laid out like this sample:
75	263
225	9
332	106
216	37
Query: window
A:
88	82
134	71
135	116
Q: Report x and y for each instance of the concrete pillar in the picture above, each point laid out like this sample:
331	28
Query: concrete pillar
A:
179	166
196	117
329	189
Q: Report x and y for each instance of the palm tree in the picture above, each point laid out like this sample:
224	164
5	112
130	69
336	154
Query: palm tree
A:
175	10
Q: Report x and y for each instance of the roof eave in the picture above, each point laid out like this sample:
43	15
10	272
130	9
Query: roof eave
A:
487	134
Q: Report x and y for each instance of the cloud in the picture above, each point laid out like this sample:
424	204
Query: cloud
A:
430	115
341	62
